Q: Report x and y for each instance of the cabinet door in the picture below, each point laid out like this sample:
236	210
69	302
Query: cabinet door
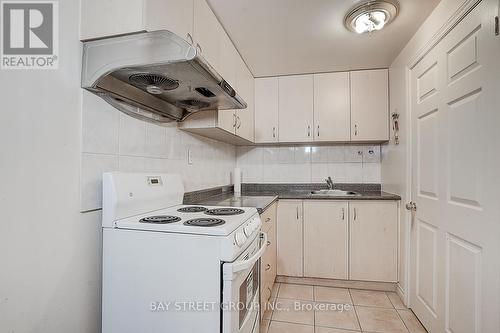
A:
228	60
266	110
245	87
289	238
370	105
296	108
374	241
113	17
326	239
332	107
172	15
206	32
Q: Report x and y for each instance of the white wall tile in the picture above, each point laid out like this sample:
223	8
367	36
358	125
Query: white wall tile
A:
336	154
93	166
286	155
132	136
371	173
371	154
338	172
320	154
353	172
353	154
270	155
303	154
100	125
156	141
319	172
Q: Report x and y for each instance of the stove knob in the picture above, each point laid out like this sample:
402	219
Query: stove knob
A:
248	229
240	239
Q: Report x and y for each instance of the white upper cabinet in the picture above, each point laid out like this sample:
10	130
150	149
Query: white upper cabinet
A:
296	108
113	17
206	33
370	105
245	121
228	62
266	110
332	107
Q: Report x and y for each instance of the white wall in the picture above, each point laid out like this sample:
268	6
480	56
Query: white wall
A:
113	141
395	168
299	164
49	252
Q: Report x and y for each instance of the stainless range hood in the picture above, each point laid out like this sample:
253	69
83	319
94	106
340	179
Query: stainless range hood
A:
155	76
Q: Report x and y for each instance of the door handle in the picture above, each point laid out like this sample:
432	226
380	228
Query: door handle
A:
343	214
411	206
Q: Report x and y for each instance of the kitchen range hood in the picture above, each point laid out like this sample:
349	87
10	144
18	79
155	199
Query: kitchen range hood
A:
155	76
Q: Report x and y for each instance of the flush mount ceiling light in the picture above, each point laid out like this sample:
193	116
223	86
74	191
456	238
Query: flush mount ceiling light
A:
371	16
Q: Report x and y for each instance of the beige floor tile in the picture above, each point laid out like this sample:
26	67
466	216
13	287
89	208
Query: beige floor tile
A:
264	326
336	318
411	322
296	291
274	291
396	301
380	320
370	298
331	330
280	327
332	295
293	311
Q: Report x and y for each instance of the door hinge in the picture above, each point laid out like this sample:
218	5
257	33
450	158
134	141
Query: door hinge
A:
497	26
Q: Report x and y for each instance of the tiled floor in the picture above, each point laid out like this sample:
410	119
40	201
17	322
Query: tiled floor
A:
308	309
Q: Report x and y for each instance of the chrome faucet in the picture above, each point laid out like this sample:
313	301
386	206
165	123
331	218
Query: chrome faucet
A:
329	182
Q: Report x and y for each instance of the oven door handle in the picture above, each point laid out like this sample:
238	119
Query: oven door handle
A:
246	264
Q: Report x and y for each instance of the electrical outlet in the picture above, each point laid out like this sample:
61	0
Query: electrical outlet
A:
190	156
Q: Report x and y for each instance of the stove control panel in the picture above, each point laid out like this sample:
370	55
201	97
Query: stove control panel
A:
241	238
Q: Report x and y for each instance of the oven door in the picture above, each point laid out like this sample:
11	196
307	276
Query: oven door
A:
240	291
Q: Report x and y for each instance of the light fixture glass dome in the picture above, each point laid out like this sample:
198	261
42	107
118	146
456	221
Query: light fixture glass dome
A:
371	16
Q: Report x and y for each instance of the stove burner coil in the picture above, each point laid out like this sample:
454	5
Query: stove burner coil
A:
224	211
204	222
161	219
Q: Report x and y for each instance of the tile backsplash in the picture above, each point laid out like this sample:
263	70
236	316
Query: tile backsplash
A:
299	164
113	141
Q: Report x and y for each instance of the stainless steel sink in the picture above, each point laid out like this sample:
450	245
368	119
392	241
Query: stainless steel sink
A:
335	193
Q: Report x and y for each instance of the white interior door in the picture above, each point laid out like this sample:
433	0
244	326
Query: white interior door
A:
454	284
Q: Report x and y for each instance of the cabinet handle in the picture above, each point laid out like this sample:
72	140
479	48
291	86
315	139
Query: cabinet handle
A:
239	122
268	267
234	120
274	131
318	130
309	130
198	47
343	214
190	39
355	214
268	243
268	219
297	212
355	129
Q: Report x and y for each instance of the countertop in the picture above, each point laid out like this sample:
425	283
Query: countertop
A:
263	199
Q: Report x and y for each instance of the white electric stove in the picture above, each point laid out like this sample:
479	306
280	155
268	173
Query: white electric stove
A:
169	267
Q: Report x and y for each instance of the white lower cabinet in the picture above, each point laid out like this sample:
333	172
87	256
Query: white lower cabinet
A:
268	261
289	238
374	241
326	239
355	240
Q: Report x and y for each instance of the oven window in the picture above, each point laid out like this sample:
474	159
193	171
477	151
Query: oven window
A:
248	290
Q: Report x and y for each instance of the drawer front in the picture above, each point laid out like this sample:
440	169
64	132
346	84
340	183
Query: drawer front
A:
268	218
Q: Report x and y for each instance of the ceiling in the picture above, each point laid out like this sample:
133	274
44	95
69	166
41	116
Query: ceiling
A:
282	37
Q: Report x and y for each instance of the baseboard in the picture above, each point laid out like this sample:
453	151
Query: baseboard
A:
369	285
401	293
